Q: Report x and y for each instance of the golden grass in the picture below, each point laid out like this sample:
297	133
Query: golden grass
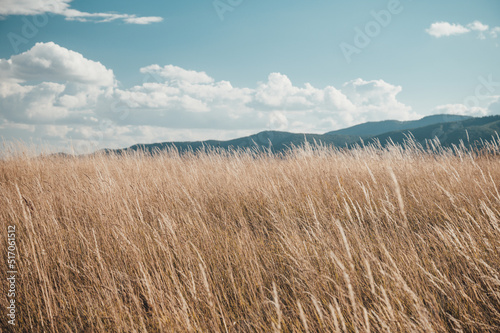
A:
393	239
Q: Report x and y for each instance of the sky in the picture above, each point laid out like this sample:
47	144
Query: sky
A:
84	75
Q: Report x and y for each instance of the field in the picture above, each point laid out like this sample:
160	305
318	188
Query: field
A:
394	239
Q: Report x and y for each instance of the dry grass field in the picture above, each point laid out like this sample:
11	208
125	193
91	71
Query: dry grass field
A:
395	239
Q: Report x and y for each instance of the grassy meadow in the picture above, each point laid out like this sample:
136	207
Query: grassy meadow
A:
373	239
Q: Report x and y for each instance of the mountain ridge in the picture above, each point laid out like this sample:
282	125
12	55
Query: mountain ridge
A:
461	128
373	128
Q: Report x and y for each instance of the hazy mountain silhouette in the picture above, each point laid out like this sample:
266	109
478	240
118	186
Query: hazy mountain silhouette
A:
471	131
449	129
275	140
379	127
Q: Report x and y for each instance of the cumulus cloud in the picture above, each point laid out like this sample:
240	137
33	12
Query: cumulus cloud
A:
62	7
477	26
460	109
445	29
51	62
489	108
174	73
49	82
440	29
278	121
52	88
32	104
376	95
480	27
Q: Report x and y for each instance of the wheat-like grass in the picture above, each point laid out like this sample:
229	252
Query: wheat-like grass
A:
374	239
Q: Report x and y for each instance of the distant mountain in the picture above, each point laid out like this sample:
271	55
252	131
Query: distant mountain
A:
274	140
450	131
379	127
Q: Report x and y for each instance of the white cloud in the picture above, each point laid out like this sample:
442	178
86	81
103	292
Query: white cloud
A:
495	32
490	105
178	74
480	27
55	131
32	104
440	29
51	86
445	29
62	7
48	83
143	20
279	93
461	109
278	121
32	7
48	102
275	90
477	26
51	62
376	99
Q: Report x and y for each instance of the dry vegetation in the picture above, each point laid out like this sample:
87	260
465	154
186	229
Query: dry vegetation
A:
393	239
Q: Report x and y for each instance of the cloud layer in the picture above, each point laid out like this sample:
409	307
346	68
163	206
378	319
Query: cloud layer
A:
55	94
62	7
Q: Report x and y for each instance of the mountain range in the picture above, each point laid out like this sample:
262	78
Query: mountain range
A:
449	129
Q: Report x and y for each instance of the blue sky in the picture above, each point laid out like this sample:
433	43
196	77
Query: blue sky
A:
201	69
